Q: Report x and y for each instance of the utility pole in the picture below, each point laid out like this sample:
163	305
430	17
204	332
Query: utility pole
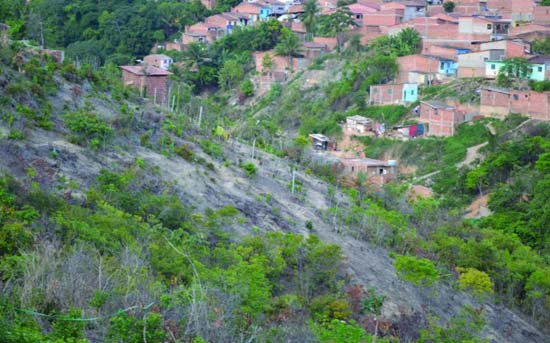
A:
293	179
200	117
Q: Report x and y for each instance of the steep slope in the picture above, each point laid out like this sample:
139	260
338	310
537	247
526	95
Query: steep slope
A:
264	199
202	188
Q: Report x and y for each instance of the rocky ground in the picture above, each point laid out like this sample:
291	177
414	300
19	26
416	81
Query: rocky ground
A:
227	184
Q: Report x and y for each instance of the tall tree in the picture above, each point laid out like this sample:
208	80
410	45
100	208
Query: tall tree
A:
288	46
337	23
309	18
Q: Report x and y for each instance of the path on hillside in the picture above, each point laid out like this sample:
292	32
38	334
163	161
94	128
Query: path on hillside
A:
472	153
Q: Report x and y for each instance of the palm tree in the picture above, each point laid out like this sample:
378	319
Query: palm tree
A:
309	17
289	46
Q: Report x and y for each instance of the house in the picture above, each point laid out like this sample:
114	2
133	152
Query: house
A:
529	32
358	124
441	118
516	10
483	28
329	42
321	142
149	80
468	7
423	69
414	9
202	33
541	15
360	11
386	94
387	16
159	60
312	50
377	172
511	47
538	70
542	60
501	102
175	45
255	11
473	64
445	51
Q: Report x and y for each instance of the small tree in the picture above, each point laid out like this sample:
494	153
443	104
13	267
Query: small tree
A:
419	271
449	7
514	72
478	282
267	63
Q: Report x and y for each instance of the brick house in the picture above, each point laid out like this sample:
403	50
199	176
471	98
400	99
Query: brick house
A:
445	51
486	29
386	94
387	16
377	172
360	11
423	69
158	60
541	15
473	64
312	50
441	118
150	81
511	47
329	42
202	33
501	102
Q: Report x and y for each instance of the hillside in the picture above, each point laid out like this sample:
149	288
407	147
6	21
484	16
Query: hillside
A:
125	221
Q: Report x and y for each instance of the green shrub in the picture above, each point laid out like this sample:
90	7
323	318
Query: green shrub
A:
249	168
419	271
247	87
87	126
185	152
211	148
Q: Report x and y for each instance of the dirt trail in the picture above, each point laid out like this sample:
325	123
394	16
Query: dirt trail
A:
472	153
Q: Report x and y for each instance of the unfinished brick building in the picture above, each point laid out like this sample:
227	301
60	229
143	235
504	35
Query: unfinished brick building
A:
501	102
151	82
441	118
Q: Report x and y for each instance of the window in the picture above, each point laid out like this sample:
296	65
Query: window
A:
412	92
515	97
390	91
493	66
540	69
352	169
485	59
489	27
381	171
375	91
